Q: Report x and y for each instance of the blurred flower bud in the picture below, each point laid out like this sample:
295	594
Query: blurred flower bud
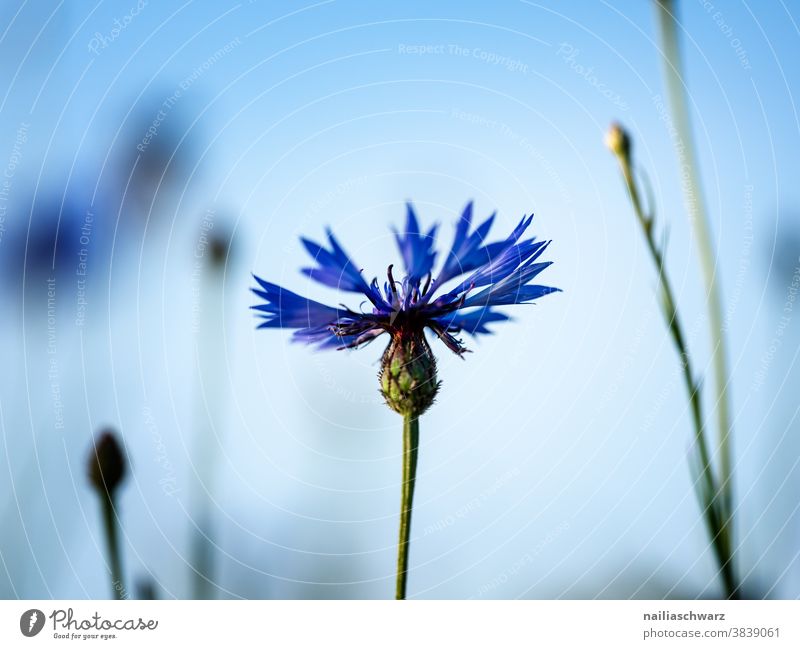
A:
219	247
107	465
618	141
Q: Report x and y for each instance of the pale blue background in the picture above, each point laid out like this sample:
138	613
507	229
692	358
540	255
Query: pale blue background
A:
554	462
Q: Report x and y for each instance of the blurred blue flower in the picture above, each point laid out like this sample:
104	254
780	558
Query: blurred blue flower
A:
498	274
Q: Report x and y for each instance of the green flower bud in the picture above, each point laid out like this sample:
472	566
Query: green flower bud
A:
408	374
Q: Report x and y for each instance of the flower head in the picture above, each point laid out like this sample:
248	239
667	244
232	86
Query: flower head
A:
473	279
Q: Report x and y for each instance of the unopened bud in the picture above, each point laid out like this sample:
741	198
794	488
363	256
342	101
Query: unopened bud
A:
408	374
618	141
107	465
219	248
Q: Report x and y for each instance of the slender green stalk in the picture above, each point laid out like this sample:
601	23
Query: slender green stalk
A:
695	203
107	468
410	451
709	491
112	541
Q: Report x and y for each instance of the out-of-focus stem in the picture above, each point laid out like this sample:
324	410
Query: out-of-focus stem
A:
410	450
211	391
695	203
112	541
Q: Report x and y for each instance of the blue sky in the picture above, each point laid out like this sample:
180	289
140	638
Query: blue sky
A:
281	120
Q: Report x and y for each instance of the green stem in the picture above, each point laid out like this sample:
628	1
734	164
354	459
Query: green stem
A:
112	540
695	203
410	452
714	506
674	325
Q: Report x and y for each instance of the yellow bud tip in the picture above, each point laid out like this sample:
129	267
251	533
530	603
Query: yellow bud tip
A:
618	142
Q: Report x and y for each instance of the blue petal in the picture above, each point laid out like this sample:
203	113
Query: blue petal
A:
337	270
467	251
511	266
509	275
416	248
286	310
508	262
517	294
473	322
324	338
497	261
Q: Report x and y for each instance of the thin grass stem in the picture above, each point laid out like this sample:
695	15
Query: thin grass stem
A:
696	206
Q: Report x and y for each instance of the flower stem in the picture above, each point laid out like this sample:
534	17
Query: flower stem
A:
710	492
112	540
410	451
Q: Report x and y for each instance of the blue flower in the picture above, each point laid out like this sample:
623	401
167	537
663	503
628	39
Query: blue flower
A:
492	275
